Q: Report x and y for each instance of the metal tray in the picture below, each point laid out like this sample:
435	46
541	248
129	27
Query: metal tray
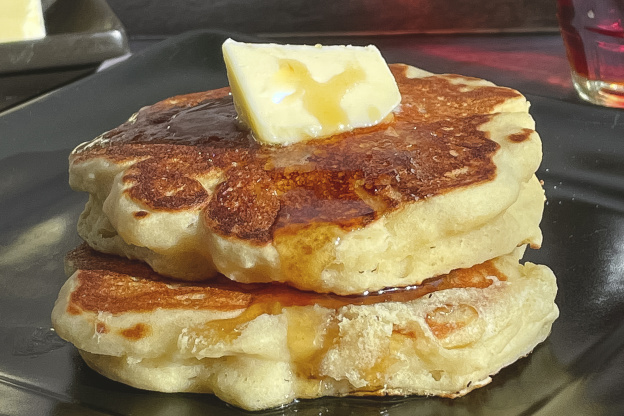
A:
78	33
579	370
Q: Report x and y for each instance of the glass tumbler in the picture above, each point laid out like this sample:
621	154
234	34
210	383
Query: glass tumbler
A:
593	34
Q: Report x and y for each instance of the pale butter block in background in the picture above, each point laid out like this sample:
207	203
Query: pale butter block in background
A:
290	93
21	20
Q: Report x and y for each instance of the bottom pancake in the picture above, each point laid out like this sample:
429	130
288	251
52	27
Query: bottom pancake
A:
263	345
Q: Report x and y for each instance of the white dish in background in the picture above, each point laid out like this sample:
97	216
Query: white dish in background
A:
77	33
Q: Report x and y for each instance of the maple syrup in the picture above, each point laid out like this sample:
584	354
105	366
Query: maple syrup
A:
345	181
321	99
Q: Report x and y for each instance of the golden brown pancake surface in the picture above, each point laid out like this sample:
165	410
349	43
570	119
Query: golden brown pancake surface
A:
432	146
108	284
329	248
273	344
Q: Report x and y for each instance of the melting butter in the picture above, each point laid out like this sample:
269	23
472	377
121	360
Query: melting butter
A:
321	99
290	93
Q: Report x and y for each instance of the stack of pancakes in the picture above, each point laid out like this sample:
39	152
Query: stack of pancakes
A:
381	261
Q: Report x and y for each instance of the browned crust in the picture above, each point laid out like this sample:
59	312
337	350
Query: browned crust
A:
523	135
432	146
136	332
110	284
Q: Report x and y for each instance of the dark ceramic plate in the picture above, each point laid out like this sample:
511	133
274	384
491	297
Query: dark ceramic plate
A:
579	370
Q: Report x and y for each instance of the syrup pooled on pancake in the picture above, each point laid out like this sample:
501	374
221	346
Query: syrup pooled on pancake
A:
378	261
111	285
263	345
349	179
188	155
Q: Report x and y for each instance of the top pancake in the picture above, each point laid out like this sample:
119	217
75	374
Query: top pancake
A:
183	187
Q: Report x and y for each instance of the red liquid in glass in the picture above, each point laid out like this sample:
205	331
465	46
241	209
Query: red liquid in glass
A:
593	32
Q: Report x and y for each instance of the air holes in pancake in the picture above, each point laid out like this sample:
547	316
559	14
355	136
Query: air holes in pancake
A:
436	374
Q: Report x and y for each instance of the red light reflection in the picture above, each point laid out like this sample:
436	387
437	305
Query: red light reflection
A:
530	66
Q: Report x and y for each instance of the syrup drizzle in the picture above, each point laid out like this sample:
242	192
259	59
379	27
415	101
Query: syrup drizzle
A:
432	146
321	99
115	285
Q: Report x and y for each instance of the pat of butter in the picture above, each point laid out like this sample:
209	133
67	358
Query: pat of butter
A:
21	20
290	93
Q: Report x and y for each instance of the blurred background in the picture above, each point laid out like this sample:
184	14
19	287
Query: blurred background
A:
301	17
511	42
